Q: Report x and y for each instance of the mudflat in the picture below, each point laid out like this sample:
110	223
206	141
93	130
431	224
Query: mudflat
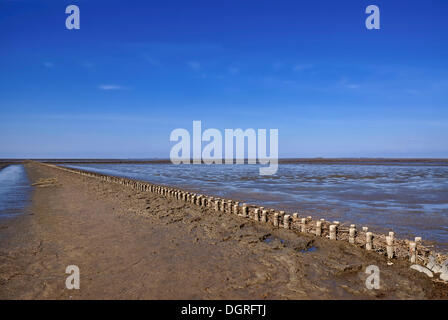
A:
138	245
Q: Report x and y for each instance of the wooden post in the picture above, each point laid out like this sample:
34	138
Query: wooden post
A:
352	233
412	251
210	202
333	235
264	216
303	225
369	244
276	219
223	203
229	206
256	214
245	211
318	228
389	247
216	205
286	221
281	215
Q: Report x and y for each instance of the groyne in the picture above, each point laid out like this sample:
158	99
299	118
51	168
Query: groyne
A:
387	245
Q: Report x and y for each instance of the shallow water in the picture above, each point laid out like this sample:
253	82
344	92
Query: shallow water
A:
410	199
15	191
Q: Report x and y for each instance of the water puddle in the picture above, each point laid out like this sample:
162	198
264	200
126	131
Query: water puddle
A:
310	249
270	239
15	191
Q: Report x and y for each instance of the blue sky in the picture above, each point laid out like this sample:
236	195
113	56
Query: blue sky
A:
136	70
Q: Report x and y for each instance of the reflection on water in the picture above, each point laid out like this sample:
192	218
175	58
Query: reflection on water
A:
410	199
14	191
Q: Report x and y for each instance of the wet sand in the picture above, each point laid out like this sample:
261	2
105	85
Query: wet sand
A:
138	245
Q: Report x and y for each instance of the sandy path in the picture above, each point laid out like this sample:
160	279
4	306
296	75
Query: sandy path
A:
136	245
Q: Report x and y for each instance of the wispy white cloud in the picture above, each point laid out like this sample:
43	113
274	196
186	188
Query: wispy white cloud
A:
347	84
111	87
48	64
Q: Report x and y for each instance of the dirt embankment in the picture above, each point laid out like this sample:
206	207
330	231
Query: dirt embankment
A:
130	244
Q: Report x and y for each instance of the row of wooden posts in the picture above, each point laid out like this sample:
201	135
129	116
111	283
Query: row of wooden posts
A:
321	228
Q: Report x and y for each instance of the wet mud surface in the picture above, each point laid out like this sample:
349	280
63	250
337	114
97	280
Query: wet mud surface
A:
138	245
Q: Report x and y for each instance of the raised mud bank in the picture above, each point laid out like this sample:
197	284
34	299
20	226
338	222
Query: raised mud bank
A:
389	246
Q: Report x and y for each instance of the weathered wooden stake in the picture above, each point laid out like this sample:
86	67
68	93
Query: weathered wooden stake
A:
223	203
276	219
412	251
245	211
352	233
390	247
229	206
333	235
286	218
280	217
256	214
264	216
369	245
303	225
210	202
318	228
216	205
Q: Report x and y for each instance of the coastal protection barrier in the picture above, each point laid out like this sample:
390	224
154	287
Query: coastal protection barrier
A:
422	257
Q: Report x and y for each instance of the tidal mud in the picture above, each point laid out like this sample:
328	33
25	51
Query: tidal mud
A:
138	245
